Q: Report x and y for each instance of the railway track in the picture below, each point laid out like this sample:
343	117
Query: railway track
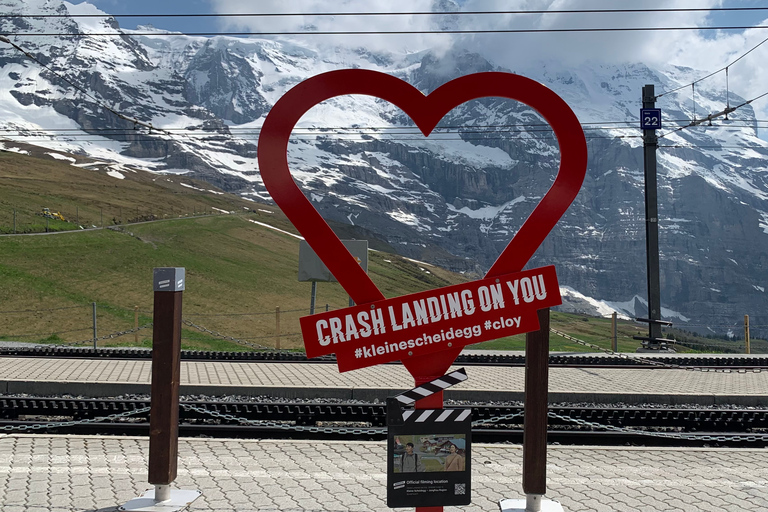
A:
555	360
315	420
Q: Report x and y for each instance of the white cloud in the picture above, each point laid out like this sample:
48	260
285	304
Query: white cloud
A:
701	50
395	43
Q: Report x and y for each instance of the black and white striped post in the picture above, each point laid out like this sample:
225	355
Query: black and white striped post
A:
430	388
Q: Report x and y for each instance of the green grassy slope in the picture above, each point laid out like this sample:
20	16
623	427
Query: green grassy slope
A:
238	272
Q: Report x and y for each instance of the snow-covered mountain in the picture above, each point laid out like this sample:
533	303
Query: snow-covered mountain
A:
454	199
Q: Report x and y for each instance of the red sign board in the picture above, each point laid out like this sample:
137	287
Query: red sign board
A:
425	111
426	322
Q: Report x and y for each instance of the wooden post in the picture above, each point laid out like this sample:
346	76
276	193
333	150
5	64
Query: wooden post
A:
277	327
536	408
747	348
95	331
136	323
312	298
614	334
166	371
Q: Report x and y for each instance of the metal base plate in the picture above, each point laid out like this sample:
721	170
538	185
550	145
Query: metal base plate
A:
180	499
518	505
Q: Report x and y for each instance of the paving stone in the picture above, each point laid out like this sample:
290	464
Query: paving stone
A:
583	479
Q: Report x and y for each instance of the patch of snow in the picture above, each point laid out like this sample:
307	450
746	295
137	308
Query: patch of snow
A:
276	229
409	219
115	174
763	222
16	150
173	171
601	308
265	211
758	288
58	156
487	212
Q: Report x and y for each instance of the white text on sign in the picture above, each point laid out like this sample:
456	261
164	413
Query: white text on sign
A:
430	310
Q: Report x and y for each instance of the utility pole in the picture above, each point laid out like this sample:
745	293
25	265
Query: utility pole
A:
650	121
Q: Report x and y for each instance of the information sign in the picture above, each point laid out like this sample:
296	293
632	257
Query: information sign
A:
429	458
650	118
312	268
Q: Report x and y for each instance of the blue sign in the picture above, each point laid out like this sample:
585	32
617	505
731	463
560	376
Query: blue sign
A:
650	118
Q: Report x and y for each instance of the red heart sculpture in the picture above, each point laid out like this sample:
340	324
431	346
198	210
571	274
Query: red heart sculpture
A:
426	111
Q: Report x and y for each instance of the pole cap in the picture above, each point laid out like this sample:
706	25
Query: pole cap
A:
168	279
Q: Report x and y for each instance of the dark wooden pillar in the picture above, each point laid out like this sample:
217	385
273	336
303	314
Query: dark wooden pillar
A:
536	407
166	371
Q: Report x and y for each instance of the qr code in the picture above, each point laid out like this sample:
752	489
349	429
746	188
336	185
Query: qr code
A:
460	489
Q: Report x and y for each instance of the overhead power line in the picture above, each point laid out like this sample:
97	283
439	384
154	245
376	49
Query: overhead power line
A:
630	124
714	72
459	129
710	117
415	13
389	32
106	107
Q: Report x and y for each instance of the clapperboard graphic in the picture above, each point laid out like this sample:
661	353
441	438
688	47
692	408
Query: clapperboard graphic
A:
429	451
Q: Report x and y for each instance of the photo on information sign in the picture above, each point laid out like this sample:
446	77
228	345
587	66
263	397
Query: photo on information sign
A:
429	453
429	459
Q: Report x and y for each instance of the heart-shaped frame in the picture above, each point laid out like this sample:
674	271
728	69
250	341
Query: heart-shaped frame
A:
426	111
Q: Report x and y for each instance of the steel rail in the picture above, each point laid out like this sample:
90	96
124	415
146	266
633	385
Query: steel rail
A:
297	420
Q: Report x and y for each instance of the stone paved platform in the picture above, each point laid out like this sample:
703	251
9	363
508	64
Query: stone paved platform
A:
103	377
97	474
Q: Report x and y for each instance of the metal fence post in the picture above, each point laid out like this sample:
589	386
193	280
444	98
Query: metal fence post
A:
614	333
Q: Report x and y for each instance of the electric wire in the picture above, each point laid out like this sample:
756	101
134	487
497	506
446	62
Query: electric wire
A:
714	72
710	117
387	32
101	104
397	13
150	127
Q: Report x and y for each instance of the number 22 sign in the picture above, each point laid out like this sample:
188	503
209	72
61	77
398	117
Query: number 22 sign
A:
650	119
